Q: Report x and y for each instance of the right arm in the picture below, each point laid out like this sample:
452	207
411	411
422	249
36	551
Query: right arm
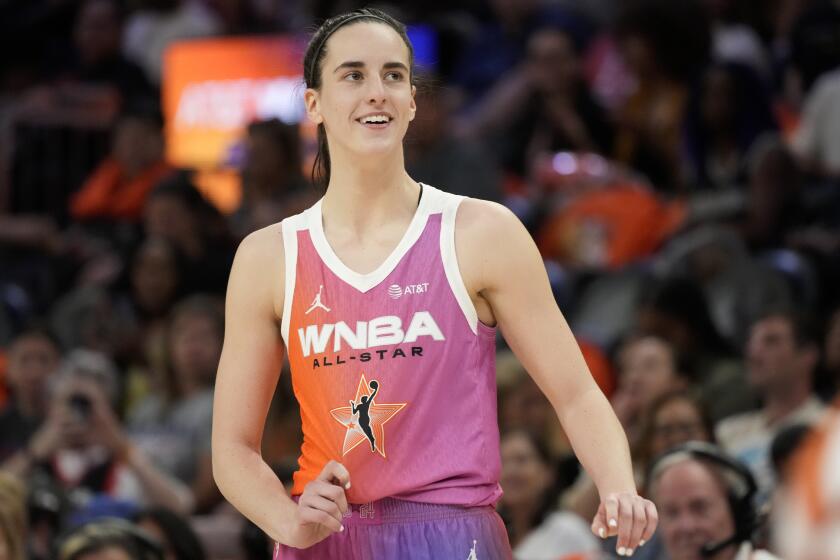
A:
247	376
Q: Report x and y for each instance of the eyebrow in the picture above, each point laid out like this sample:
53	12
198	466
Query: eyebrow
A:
360	64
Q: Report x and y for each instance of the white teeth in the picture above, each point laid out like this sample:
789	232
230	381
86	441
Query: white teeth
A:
374	119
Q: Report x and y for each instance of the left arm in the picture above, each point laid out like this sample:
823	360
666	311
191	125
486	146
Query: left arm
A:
511	283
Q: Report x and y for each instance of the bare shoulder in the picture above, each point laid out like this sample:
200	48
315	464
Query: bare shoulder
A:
485	220
487	235
259	266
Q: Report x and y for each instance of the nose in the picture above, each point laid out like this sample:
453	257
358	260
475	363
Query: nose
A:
376	90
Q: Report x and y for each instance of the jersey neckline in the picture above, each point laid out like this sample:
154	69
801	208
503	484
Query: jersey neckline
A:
368	281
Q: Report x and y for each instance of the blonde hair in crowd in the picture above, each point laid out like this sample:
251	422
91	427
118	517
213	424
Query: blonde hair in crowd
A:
12	517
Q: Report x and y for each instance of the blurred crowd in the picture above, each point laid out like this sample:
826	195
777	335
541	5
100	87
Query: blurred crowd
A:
678	164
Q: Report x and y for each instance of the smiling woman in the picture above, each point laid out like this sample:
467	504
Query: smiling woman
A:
396	384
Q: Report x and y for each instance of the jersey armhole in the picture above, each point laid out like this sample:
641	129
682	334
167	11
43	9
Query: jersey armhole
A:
450	263
290	248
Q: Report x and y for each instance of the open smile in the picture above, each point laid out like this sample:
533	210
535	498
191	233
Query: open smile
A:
375	120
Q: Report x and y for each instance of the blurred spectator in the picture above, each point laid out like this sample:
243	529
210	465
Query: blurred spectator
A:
239	17
724	118
499	45
272	185
117	189
537	531
93	76
435	156
34	356
774	204
109	539
83	448
817	141
703	501
12	518
648	367
559	113
672	419
735	41
807	517
159	23
831	349
781	356
173	424
664	44
784	448
153	285
676	310
172	532
176	211
814	40
737	285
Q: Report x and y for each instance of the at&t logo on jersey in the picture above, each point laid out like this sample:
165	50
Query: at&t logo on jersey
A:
380	331
395	291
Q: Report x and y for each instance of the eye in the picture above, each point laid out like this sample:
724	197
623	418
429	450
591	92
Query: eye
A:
354	76
394	75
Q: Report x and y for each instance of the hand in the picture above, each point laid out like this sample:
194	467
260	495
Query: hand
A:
48	439
321	507
105	426
629	516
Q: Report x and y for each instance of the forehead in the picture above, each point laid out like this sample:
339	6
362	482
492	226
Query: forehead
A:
370	42
688	480
678	407
772	326
33	341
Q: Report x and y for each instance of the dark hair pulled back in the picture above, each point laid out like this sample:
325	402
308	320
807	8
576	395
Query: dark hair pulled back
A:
313	61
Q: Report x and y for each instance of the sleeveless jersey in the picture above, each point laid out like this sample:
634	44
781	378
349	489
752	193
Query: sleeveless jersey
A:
394	373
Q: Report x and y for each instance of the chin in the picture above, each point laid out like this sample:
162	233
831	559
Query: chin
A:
373	149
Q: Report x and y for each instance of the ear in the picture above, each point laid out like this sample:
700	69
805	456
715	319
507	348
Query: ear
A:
412	108
312	102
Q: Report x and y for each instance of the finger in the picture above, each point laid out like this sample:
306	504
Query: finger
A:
639	523
335	473
326	505
330	491
625	525
312	515
334	493
599	523
652	521
611	512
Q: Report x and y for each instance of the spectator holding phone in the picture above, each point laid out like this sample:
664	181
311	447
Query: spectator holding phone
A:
83	448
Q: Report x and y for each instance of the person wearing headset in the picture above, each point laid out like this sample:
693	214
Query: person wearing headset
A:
705	503
109	539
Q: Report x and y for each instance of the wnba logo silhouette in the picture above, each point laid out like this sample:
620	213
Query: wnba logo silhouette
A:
365	418
316	303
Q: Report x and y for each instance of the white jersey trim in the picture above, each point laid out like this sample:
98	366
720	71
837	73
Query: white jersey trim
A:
450	261
365	282
290	227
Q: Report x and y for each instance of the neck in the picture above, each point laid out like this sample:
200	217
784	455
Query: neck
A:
365	194
783	401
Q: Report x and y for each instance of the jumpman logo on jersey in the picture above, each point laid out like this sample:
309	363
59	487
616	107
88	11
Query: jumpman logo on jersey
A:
317	302
473	555
365	419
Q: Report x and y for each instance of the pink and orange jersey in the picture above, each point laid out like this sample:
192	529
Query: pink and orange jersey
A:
394	373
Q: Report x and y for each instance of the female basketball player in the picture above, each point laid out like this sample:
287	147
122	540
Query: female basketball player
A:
384	294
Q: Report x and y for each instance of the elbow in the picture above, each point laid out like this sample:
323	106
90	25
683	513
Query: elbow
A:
226	459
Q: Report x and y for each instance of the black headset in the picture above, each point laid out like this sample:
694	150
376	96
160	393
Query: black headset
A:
741	488
103	532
